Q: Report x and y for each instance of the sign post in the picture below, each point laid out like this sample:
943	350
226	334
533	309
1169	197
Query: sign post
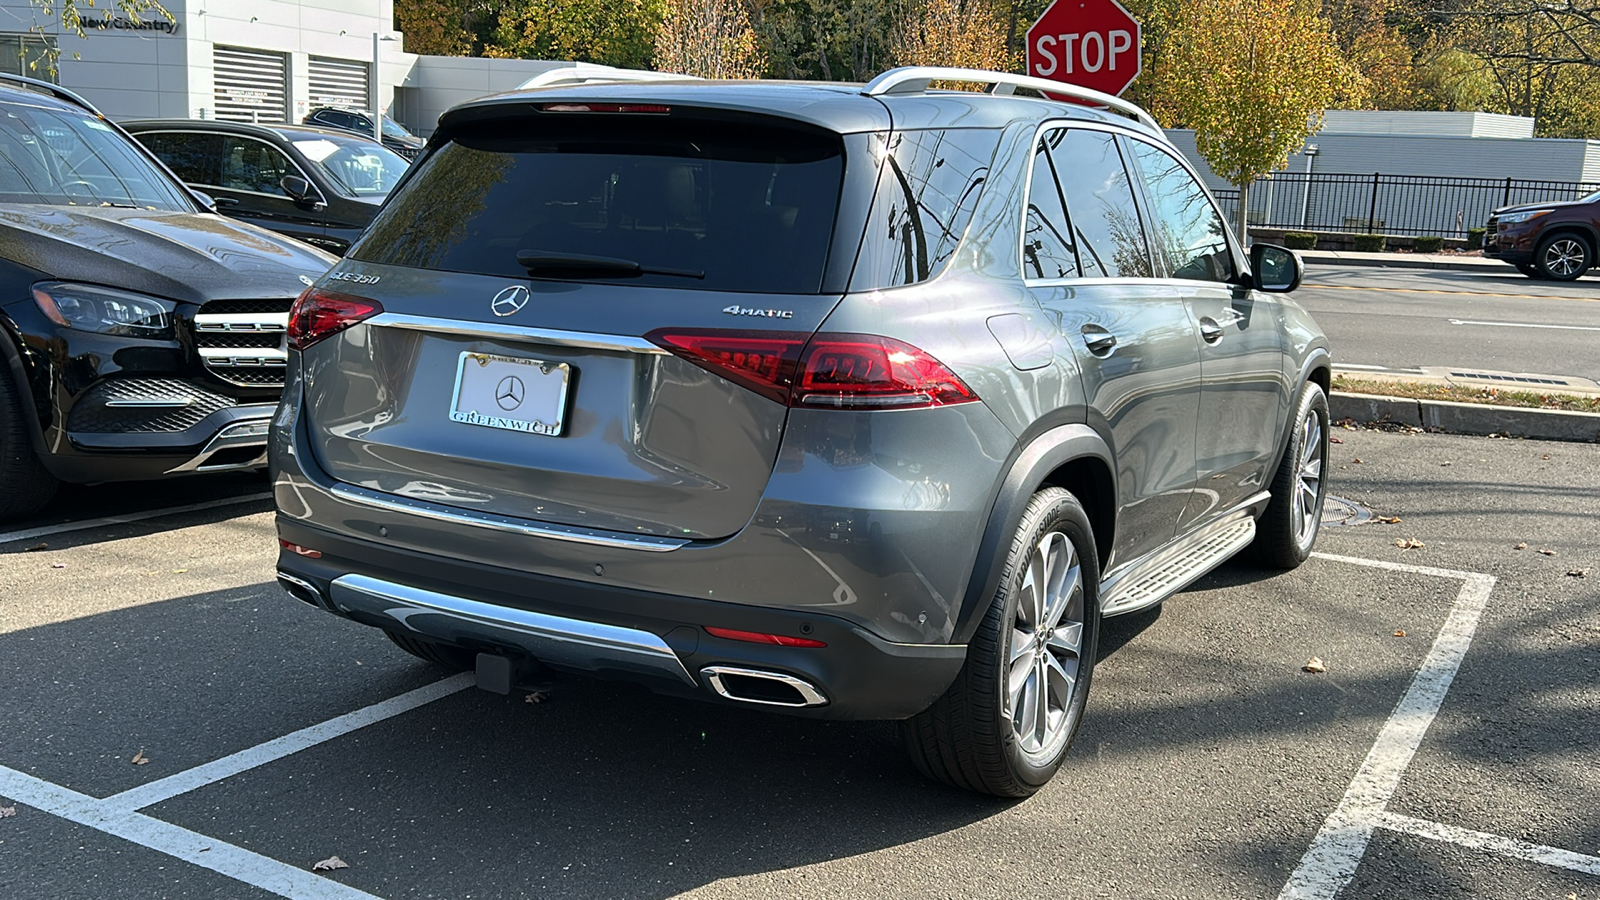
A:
1089	43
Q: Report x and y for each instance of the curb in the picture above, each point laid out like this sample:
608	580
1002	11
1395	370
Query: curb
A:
1467	418
1404	261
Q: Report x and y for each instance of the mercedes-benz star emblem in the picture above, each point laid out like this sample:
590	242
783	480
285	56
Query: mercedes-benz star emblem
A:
509	301
509	392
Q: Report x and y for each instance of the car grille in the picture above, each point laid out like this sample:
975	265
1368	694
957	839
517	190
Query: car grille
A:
243	341
143	406
407	153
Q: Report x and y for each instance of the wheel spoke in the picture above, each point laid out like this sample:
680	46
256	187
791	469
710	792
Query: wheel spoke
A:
1027	715
1020	645
1061	678
1067	638
1016	681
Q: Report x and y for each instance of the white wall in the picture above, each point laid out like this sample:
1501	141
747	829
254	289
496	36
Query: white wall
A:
440	82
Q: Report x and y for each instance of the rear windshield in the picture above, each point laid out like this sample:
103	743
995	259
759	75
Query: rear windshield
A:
748	208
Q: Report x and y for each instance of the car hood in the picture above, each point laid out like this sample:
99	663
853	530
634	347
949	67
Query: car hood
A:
1553	204
413	143
188	257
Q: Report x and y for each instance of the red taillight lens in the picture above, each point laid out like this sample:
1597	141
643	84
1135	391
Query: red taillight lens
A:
321	313
756	637
298	550
836	371
864	371
762	361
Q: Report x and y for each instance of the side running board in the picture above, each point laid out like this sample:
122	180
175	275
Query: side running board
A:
1153	580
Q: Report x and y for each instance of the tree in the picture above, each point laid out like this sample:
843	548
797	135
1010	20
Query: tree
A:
1252	77
610	32
709	39
448	27
964	33
70	14
831	40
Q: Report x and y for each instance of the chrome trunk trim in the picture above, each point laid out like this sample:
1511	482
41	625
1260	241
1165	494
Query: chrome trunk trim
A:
579	339
439	513
588	646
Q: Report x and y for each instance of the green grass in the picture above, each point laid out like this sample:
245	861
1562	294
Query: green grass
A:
1460	394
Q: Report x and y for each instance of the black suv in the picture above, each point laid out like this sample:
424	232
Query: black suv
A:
395	135
140	334
316	184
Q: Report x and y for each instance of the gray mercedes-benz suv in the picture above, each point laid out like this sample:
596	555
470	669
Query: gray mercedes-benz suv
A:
848	402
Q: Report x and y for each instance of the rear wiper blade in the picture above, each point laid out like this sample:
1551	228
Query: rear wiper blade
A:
537	261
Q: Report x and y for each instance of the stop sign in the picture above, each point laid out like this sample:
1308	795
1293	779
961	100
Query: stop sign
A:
1089	43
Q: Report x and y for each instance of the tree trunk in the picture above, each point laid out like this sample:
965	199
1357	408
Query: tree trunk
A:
1244	214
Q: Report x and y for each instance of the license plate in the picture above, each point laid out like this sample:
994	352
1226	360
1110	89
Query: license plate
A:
527	395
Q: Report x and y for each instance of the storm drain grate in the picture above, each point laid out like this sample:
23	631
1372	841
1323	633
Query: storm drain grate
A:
1515	379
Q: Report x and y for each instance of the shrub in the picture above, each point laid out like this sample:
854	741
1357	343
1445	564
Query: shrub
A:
1429	244
1300	240
1371	243
1474	238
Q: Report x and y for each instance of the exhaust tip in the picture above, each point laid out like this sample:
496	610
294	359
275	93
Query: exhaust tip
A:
762	687
302	590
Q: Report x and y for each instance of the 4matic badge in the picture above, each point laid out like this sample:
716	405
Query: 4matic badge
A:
737	310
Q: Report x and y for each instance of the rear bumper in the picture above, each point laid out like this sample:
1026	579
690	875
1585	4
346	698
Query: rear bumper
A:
659	640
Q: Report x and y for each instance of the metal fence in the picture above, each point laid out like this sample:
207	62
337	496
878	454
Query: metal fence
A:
1389	204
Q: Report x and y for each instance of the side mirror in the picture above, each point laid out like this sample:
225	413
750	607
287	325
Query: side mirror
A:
1275	269
301	190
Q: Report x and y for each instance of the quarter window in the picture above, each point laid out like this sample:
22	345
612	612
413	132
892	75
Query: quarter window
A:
1106	226
1184	223
1047	245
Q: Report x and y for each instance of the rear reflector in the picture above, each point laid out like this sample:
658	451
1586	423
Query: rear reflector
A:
647	108
833	371
756	637
298	550
319	314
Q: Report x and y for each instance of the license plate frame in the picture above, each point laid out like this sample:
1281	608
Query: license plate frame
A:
537	391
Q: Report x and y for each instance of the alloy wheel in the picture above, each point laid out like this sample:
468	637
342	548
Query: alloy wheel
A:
1046	647
1308	477
1565	257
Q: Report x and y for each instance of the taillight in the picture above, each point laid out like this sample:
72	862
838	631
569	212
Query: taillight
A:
758	637
833	371
635	108
298	550
319	313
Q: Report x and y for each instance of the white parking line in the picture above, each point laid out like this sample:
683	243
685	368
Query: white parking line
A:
238	863
276	749
1336	851
1526	325
31	533
1492	843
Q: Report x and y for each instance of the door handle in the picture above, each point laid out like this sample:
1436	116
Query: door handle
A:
225	201
1210	331
1099	341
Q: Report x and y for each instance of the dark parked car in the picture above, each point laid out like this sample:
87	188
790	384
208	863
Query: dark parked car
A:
316	184
395	135
1556	240
848	402
140	335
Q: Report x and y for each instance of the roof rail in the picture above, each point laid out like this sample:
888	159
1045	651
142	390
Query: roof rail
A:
589	73
54	90
915	80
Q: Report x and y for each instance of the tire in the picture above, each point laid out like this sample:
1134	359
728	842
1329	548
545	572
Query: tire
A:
1530	270
1288	529
25	485
453	658
971	737
1563	256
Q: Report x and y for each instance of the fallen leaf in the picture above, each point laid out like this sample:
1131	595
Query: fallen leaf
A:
58	565
1578	573
1521	545
36	548
536	697
1447	463
1314	666
1387	520
1335	440
1400	633
1356	460
139	759
7	812
1409	543
1546	456
1547	552
179	571
329	864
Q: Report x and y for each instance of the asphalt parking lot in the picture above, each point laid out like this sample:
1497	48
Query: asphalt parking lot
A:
1210	764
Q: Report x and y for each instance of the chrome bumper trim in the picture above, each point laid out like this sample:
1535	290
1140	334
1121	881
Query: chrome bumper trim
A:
580	339
246	433
809	695
589	646
439	513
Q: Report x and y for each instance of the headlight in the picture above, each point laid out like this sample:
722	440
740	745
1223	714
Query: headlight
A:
1514	218
89	307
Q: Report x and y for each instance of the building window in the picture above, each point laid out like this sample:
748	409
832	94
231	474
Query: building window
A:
28	54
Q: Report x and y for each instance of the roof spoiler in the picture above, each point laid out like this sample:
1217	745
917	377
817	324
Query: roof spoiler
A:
589	73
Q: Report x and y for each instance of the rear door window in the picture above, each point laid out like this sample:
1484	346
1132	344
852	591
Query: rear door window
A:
928	187
193	156
1110	236
746	207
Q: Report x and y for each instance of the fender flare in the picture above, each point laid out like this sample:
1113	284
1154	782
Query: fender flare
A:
1027	472
11	357
1317	358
